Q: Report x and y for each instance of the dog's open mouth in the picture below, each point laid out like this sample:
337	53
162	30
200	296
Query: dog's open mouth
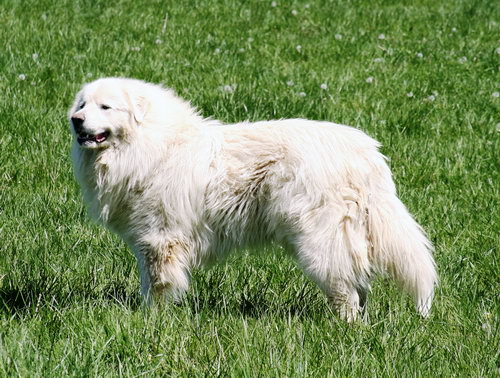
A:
86	139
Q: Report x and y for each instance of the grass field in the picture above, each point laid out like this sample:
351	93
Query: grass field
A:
420	76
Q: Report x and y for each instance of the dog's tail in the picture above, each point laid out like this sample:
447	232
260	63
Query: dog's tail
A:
401	248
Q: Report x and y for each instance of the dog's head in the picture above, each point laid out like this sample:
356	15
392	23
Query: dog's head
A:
106	112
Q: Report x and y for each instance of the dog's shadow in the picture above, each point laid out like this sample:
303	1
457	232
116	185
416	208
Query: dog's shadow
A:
257	303
32	297
248	303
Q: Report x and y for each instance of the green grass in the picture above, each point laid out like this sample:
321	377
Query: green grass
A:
69	302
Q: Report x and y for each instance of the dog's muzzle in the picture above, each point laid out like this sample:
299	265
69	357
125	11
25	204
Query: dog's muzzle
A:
85	138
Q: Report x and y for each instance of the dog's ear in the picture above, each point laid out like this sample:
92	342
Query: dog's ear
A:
138	105
139	108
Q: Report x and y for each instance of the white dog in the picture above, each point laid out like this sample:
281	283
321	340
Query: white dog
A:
183	191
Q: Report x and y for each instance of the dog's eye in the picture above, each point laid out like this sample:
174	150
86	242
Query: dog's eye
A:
82	105
105	107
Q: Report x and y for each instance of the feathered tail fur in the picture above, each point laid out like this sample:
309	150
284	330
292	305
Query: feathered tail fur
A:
401	249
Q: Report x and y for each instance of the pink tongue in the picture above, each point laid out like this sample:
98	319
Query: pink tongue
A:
100	137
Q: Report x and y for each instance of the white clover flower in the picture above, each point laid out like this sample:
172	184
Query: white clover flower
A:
486	328
431	98
33	83
34	56
338	37
409	94
302	94
381	36
217	51
298	48
435	93
250	39
274	4
462	59
419	55
378	60
294	12
89	74
369	79
241	50
323	86
498	127
228	88
135	48
307	6
453	30
383	122
495	94
290	83
22	77
158	41
497	50
44	16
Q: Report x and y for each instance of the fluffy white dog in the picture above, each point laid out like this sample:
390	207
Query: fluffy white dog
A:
183	191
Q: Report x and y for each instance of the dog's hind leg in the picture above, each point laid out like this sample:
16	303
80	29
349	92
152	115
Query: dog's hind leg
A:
345	299
340	290
333	252
331	268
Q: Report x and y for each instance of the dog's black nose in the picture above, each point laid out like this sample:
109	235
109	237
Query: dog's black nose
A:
77	124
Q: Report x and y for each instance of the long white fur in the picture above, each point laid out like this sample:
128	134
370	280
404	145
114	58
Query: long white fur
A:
184	191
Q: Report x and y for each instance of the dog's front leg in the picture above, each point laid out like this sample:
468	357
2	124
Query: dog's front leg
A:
163	267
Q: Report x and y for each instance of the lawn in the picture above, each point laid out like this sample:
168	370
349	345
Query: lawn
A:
420	76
